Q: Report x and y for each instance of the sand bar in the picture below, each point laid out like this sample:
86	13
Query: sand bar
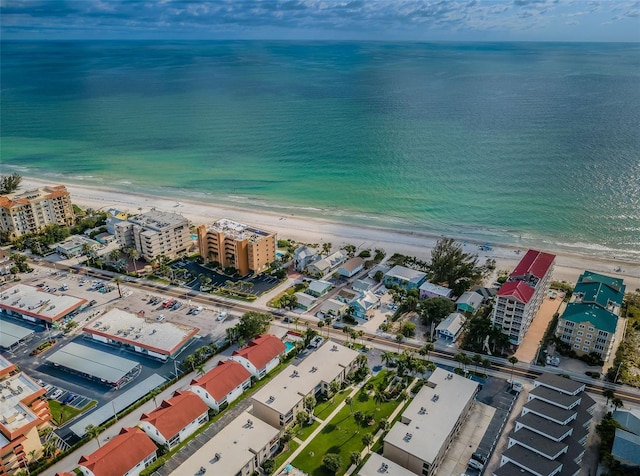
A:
316	230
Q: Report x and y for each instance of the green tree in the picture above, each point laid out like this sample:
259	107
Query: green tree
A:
378	276
133	255
269	466
408	329
302	418
252	324
427	349
334	387
118	280
349	401
617	402
310	403
609	394
93	432
326	248
332	462
399	339
388	358
451	265
9	183
199	369
367	439
355	458
435	309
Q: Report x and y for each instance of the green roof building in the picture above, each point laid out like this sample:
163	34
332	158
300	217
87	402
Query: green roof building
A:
590	320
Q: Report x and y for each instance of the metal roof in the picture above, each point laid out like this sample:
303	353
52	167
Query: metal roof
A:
88	360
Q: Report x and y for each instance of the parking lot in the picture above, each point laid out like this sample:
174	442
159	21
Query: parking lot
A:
79	391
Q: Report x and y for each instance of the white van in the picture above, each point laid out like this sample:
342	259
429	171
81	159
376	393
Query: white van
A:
222	316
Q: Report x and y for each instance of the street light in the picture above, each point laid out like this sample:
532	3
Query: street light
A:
175	367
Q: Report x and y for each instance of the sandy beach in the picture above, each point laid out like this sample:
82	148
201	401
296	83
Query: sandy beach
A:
313	230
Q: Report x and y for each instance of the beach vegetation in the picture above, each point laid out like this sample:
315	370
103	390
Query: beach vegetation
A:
252	324
408	329
479	329
451	265
626	364
350	250
378	275
435	310
365	254
10	183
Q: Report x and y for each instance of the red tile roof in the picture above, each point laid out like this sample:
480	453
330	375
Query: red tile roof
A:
220	381
261	350
121	454
534	262
518	290
176	413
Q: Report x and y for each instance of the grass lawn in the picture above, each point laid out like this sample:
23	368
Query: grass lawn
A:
304	433
324	409
343	435
282	457
61	414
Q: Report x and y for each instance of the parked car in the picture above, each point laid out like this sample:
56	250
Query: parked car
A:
160	317
479	457
475	464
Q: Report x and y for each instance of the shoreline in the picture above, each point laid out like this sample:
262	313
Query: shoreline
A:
305	229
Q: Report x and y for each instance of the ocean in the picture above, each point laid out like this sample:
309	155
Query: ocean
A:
531	144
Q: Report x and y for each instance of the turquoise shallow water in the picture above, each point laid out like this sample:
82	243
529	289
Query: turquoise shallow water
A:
524	143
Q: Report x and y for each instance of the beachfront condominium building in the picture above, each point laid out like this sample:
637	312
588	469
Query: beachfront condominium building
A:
520	297
234	245
589	322
155	233
30	211
23	409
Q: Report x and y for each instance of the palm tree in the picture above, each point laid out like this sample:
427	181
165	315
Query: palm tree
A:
477	359
154	394
388	357
296	320
399	338
513	360
114	255
367	439
617	402
118	280
133	254
92	431
349	401
356	458
199	369
607	392
378	397
427	349
310	403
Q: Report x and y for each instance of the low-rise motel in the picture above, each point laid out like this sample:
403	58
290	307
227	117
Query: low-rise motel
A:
278	402
261	355
136	333
222	385
23	408
238	449
33	304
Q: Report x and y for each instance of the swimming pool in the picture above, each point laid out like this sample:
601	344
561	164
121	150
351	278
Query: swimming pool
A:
289	346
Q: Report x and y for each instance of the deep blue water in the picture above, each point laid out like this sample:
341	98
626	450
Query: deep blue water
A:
535	144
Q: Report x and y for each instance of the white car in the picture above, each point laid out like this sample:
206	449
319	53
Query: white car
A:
475	464
222	316
160	317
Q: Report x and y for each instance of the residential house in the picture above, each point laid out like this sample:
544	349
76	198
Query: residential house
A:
351	267
365	305
548	437
239	449
403	277
427	427
347	295
236	245
590	320
303	256
626	443
280	400
429	290
378	464
127	454
261	355
30	211
318	288
469	302
333	307
75	246
450	327
305	301
520	297
366	284
175	419
222	384
324	266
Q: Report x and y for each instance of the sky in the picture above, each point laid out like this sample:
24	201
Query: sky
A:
383	20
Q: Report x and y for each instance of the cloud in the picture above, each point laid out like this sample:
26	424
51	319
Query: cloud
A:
375	19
